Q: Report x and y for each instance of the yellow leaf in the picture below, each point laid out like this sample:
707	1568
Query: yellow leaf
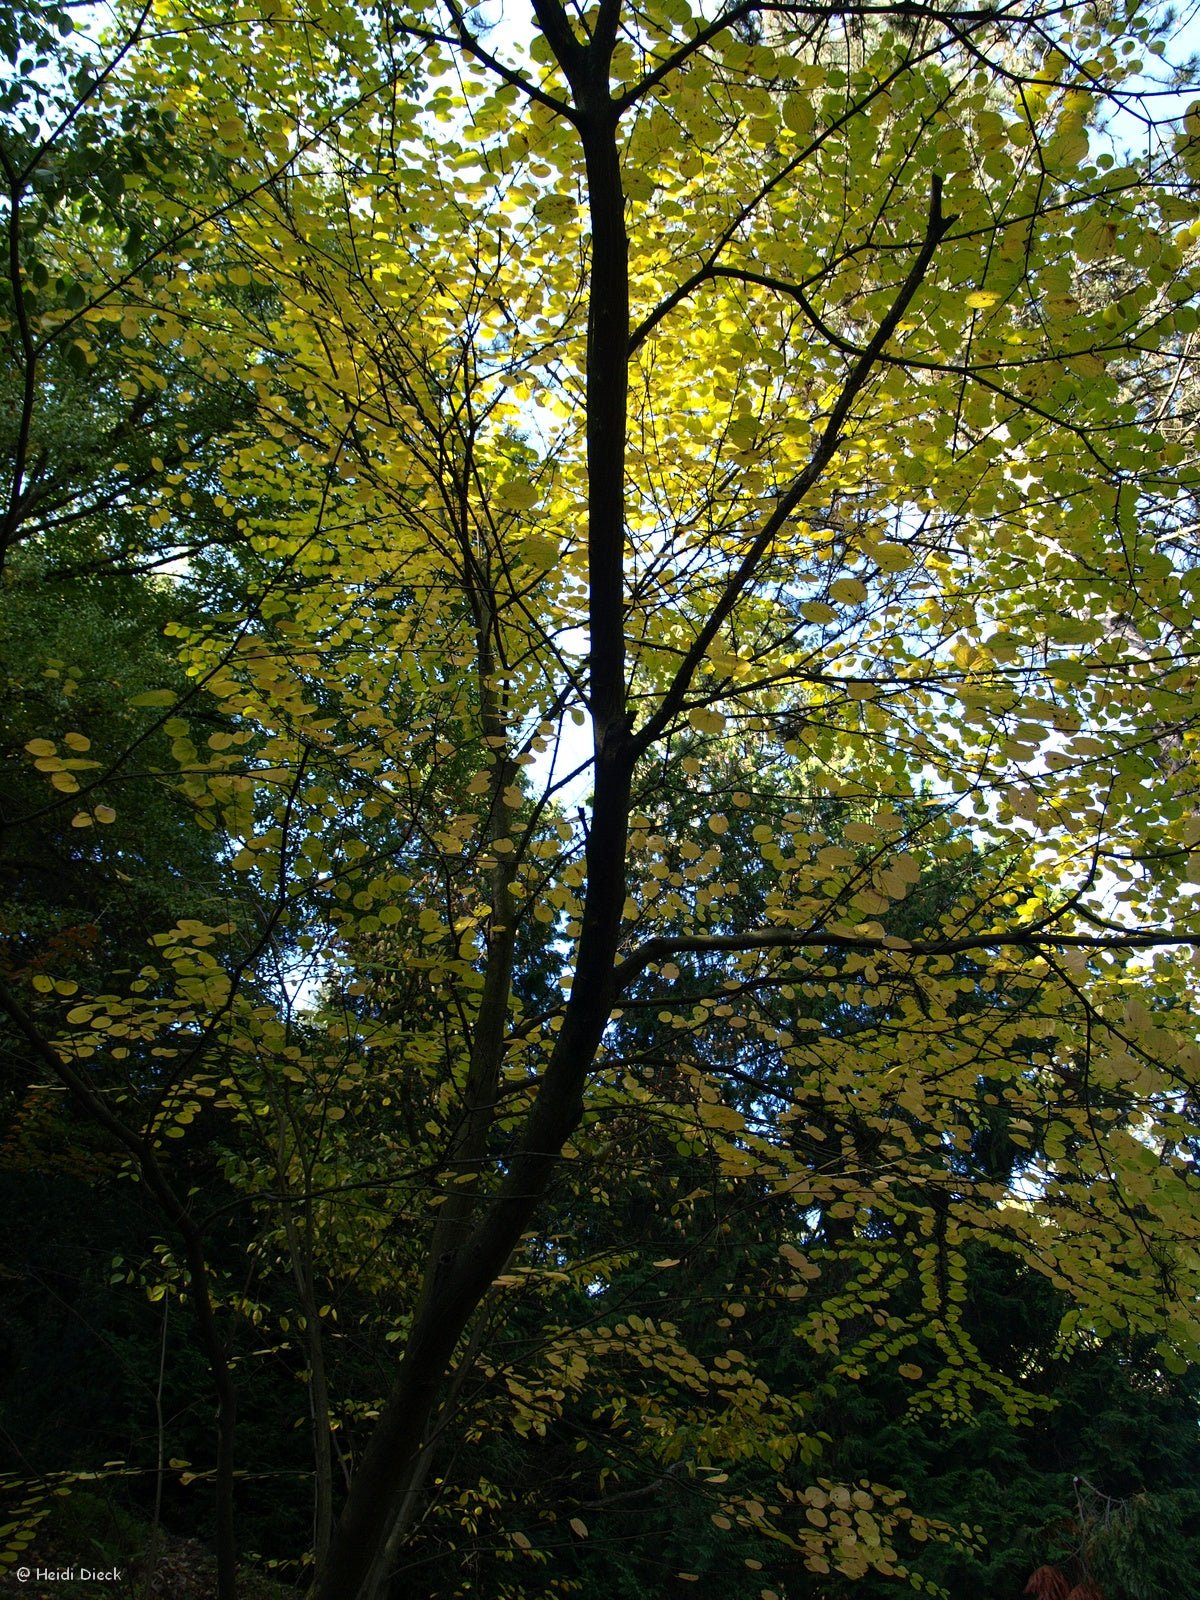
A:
860	833
578	1527
541	551
798	113
891	557
705	720
518	495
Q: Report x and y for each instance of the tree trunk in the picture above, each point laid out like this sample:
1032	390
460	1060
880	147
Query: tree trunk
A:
393	1466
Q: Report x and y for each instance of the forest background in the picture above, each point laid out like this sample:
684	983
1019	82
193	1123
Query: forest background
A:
597	879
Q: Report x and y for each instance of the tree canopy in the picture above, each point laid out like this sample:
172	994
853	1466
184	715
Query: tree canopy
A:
599	620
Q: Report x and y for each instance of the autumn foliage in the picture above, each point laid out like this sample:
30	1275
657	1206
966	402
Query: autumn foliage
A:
602	745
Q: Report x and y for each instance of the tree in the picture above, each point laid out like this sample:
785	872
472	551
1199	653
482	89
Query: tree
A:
720	385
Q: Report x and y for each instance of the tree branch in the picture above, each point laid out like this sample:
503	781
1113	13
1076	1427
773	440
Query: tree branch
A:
672	701
1032	939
